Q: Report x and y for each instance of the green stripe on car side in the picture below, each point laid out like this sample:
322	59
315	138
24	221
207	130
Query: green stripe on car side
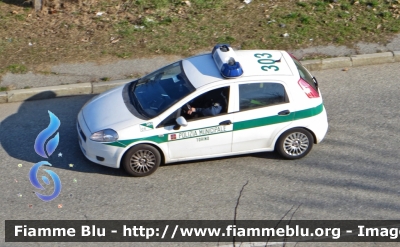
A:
115	144
308	112
124	143
254	123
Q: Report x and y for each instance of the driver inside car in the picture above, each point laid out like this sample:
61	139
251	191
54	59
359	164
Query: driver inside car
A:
210	104
213	110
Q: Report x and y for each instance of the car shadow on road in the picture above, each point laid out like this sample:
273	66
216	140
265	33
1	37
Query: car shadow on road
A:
18	133
262	155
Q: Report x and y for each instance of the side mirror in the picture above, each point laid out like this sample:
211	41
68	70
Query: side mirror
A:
181	121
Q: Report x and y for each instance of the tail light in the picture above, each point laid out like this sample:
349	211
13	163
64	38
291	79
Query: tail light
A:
308	89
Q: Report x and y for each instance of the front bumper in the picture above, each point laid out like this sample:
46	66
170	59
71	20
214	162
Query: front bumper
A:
97	152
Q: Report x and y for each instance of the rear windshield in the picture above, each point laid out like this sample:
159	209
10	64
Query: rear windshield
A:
305	75
156	92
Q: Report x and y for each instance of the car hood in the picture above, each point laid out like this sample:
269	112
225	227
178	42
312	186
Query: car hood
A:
109	111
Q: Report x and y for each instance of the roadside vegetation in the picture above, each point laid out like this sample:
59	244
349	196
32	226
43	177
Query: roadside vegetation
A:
103	30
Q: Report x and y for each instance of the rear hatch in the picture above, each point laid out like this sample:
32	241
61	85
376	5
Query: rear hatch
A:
307	82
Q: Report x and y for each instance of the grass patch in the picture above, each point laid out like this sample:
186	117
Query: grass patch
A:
141	28
226	39
105	79
124	55
17	68
345	6
126	29
301	4
304	19
373	3
20	17
320	6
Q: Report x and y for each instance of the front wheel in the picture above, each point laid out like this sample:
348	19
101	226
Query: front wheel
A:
141	160
295	143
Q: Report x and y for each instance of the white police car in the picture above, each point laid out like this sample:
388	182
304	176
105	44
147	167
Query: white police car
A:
212	105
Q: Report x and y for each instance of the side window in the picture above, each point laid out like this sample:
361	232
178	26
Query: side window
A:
211	103
253	95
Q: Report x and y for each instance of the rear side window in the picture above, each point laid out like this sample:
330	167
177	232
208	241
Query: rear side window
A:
254	95
305	75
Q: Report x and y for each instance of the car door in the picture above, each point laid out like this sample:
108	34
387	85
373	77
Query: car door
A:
263	111
203	136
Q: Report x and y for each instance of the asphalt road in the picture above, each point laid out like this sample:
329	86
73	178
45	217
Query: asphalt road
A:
353	174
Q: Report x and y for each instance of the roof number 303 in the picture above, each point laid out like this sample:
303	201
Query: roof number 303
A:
266	58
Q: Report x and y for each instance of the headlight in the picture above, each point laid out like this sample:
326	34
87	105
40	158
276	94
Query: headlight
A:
107	135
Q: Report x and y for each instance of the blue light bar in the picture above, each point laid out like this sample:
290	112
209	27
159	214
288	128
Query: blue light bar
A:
225	59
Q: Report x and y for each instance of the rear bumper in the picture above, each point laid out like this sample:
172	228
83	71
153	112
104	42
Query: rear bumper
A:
319	126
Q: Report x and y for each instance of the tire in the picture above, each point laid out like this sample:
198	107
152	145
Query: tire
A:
141	160
295	143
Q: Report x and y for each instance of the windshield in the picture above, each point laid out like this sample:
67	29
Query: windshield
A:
161	89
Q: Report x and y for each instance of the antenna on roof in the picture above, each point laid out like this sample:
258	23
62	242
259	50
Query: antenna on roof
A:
279	60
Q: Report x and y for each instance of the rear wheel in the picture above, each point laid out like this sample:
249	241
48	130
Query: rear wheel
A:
141	160
295	143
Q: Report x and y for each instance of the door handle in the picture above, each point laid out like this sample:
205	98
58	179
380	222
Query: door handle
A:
226	122
284	112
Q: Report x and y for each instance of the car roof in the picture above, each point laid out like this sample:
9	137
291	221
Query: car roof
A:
202	70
